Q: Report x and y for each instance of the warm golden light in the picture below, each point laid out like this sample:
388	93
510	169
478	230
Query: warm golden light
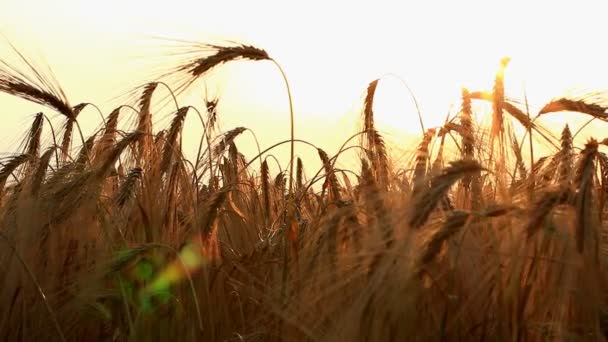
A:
330	52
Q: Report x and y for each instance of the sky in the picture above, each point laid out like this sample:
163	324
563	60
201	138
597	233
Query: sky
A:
330	51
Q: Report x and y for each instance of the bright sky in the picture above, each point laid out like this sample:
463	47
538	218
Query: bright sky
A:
329	50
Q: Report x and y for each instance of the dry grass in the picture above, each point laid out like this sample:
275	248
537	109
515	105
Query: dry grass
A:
125	239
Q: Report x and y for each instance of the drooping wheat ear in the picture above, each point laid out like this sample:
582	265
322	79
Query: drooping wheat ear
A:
172	146
37	88
422	157
516	113
224	54
583	105
128	187
32	146
585	173
565	155
426	201
527	122
213	56
543	206
227	138
452	224
331	181
449	127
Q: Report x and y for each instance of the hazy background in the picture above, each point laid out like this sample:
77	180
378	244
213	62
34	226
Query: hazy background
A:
330	51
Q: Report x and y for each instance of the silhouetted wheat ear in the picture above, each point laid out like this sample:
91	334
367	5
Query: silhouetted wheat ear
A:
265	175
199	66
32	146
299	174
223	55
426	201
422	158
40	172
66	141
498	99
144	122
468	142
515	112
380	160
585	173
449	127
372	139
330	177
368	108
172	146
38	89
566	155
227	139
108	137
576	105
235	165
279	183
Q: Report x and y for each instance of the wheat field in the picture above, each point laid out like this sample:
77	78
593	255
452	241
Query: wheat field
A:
118	236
